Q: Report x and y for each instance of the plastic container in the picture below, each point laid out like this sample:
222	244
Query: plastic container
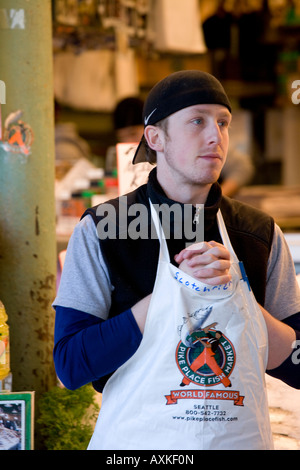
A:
4	344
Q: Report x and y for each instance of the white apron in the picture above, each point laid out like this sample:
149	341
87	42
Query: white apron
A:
197	380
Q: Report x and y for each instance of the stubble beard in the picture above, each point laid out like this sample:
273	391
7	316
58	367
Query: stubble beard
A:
191	175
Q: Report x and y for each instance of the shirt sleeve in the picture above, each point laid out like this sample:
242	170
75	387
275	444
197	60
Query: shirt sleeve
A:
85	283
283	302
282	291
288	371
86	348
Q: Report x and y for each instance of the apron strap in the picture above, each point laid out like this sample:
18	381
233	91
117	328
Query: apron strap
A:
164	252
225	237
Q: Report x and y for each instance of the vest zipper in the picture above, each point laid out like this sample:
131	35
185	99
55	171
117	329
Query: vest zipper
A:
197	214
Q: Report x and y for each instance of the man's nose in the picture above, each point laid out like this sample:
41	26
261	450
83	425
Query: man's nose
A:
214	135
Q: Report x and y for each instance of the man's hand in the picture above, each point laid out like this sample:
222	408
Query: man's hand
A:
208	261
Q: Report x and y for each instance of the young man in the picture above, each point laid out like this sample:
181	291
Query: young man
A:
113	286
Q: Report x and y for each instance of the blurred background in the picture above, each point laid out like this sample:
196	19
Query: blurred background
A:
105	51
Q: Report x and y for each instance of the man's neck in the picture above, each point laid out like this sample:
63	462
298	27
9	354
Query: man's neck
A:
184	193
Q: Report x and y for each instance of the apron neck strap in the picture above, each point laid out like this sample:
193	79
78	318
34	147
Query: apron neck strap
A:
164	252
225	236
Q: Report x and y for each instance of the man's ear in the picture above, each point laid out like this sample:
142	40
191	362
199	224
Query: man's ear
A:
154	137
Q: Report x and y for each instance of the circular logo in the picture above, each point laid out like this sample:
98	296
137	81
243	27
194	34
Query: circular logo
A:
19	136
208	361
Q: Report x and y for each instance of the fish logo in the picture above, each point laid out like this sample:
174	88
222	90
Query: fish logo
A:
205	356
193	322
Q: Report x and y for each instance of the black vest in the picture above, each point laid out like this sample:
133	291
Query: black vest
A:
132	263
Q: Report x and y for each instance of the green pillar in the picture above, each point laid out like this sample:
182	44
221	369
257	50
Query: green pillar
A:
27	205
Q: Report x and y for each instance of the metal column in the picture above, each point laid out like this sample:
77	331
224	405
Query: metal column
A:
27	205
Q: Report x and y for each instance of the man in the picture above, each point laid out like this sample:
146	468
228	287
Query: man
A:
127	119
128	126
106	291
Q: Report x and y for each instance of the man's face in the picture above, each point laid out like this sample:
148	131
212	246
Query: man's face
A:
195	146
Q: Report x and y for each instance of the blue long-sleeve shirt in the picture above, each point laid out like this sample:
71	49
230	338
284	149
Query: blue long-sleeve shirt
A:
88	348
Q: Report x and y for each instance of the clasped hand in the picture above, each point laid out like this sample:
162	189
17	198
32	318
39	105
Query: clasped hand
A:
209	262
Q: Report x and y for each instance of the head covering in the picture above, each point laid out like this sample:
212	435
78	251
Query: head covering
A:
175	92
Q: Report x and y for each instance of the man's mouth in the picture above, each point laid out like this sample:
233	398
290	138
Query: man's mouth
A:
210	156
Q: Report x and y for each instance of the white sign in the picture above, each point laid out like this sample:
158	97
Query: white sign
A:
12	19
2	92
130	176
